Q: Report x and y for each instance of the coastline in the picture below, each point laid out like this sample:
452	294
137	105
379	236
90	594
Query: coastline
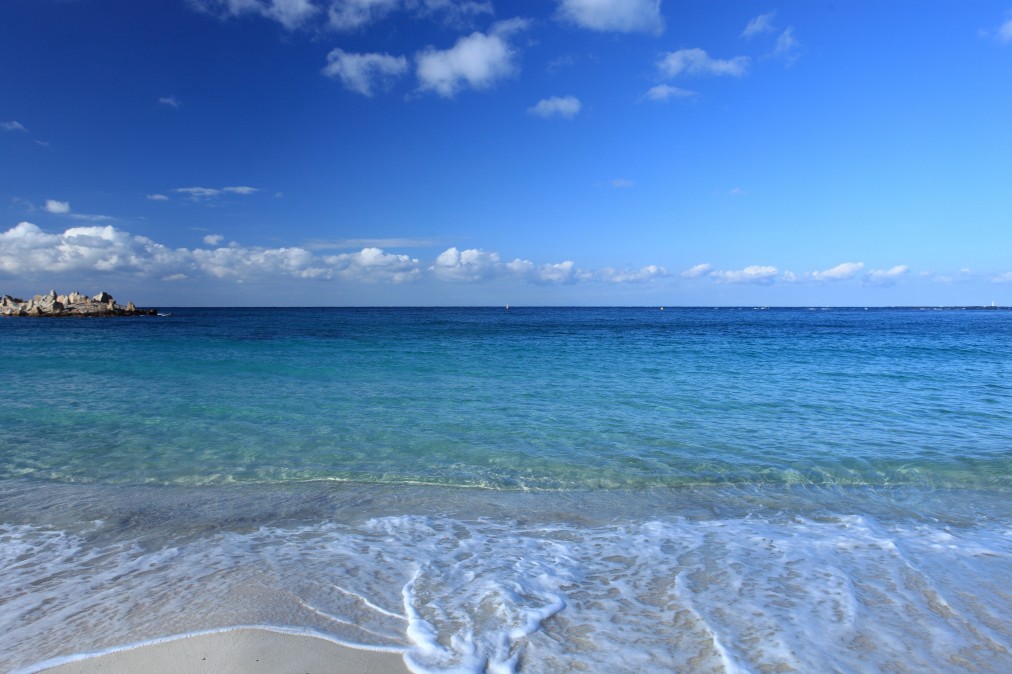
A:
237	650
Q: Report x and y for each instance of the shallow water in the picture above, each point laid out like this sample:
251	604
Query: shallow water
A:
534	490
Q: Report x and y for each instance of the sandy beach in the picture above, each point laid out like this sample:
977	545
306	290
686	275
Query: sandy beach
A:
246	650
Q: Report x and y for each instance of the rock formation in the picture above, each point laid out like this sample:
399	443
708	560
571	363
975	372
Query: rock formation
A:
74	304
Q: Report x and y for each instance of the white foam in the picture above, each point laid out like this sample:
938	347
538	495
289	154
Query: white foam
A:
735	594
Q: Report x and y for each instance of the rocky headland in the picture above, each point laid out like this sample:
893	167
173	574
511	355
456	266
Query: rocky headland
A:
74	304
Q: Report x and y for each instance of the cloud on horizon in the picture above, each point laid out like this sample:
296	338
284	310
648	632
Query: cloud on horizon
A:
758	274
26	249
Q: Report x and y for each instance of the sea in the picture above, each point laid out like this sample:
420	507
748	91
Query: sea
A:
516	489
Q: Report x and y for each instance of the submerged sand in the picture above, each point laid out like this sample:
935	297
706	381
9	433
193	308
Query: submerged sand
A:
246	650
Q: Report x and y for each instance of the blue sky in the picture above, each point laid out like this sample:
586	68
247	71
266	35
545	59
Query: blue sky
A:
442	152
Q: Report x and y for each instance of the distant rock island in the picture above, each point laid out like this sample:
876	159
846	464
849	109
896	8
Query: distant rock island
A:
74	304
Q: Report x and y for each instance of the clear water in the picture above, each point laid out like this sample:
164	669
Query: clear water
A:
541	490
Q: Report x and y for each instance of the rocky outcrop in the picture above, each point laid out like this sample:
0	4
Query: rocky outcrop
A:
74	304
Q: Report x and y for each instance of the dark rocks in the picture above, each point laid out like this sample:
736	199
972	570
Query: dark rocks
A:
74	304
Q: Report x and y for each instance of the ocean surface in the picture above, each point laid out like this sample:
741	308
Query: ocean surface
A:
532	489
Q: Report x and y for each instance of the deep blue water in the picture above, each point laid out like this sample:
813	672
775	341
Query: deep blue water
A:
749	480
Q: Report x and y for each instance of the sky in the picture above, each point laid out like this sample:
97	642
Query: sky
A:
486	152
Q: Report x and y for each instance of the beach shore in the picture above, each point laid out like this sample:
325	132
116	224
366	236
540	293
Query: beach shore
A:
245	650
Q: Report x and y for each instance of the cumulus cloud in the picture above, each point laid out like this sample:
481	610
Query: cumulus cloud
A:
475	265
158	197
373	264
477	60
291	14
26	249
697	62
641	275
841	272
760	24
467	265
663	92
13	126
170	101
886	276
556	106
622	16
59	207
210	192
363	73
697	271
756	274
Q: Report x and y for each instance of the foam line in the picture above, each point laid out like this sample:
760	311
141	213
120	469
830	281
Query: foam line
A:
62	660
378	609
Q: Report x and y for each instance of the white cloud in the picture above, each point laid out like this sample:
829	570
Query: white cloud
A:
478	61
363	73
556	106
54	206
697	271
757	274
761	24
787	46
697	62
622	183
466	265
25	249
291	14
373	264
170	101
641	275
158	197
623	16
663	92
209	192
840	272
886	276
13	126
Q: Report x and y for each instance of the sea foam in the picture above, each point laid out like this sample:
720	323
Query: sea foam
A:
725	594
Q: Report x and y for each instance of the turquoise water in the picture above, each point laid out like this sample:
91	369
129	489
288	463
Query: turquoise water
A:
531	490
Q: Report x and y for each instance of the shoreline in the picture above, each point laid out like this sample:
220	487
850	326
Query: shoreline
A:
252	649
